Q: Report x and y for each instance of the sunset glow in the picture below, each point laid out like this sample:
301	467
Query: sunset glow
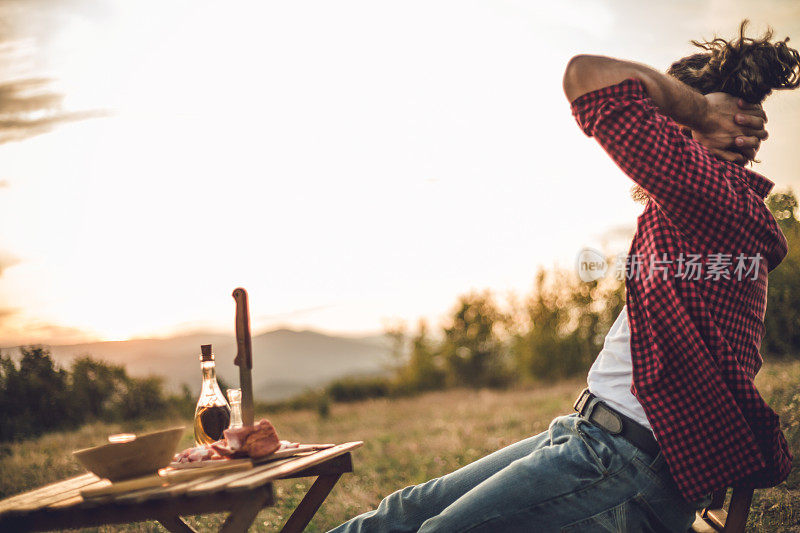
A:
349	163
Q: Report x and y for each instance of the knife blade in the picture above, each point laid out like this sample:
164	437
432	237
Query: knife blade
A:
244	354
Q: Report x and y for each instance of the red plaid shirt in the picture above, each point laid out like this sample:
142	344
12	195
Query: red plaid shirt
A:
695	339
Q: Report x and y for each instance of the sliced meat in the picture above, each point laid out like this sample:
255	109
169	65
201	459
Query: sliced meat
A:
236	436
255	441
262	441
198	453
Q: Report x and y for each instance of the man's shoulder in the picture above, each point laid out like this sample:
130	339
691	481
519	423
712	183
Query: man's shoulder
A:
589	107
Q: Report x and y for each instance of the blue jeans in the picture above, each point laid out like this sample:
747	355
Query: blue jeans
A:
574	477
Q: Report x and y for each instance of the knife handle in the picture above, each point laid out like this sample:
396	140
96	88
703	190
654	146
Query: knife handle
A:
244	352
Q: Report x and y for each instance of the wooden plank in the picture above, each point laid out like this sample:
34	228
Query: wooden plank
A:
48	490
738	509
55	498
175	524
286	469
171	491
311	503
168	491
84	515
220	482
717	517
160	493
178	476
338	465
158	481
206	464
110	489
290	452
66	503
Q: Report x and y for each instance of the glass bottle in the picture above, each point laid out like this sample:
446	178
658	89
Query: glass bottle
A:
235	399
213	414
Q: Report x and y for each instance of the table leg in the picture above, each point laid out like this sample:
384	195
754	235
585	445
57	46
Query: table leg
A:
311	503
175	524
246	510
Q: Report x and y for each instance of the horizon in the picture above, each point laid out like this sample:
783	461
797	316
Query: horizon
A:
350	165
211	333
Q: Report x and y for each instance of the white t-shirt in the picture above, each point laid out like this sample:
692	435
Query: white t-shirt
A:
611	374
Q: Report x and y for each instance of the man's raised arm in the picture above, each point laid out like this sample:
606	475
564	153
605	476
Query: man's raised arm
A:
729	127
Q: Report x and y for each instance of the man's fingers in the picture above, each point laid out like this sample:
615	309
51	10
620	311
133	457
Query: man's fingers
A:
753	109
749	121
761	134
747	105
747	142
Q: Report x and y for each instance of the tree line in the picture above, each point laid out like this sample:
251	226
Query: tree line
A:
37	396
555	332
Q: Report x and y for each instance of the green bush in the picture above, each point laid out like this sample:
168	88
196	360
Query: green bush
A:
782	321
36	396
354	389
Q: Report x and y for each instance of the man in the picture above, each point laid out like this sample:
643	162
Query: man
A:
671	412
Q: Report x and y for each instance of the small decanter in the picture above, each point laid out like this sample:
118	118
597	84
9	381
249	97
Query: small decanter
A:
213	414
235	399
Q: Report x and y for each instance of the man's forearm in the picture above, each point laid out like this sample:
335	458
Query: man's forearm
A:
586	73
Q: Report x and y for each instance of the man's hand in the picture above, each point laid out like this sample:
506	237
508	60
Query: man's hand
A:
731	128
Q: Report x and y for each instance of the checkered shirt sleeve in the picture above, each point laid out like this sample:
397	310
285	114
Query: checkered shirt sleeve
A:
701	195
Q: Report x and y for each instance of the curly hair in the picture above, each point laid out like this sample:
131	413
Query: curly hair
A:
745	67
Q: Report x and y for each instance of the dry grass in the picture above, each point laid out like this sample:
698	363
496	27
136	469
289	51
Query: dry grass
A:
778	508
406	441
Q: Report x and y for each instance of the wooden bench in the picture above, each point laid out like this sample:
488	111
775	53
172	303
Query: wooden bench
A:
715	518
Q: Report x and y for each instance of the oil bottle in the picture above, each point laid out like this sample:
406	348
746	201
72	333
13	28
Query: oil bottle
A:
213	414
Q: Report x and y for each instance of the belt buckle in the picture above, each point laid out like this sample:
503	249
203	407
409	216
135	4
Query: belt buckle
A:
580	403
606	418
609	419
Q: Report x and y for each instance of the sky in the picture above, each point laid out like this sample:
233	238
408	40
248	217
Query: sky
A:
350	163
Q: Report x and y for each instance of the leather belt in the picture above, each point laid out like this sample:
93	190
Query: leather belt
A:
600	414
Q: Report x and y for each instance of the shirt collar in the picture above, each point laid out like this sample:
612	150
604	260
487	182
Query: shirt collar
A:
758	183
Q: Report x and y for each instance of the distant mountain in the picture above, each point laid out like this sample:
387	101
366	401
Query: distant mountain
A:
285	362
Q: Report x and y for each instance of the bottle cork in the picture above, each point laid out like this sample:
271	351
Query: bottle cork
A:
205	353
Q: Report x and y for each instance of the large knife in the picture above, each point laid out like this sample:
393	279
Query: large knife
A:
244	354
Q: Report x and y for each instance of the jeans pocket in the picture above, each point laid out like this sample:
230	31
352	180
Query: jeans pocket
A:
594	443
629	516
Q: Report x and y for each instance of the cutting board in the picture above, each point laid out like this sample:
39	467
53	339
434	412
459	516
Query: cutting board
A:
280	454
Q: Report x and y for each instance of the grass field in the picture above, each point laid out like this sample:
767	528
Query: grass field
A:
407	441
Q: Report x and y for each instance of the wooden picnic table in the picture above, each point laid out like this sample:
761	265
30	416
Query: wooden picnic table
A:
241	493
